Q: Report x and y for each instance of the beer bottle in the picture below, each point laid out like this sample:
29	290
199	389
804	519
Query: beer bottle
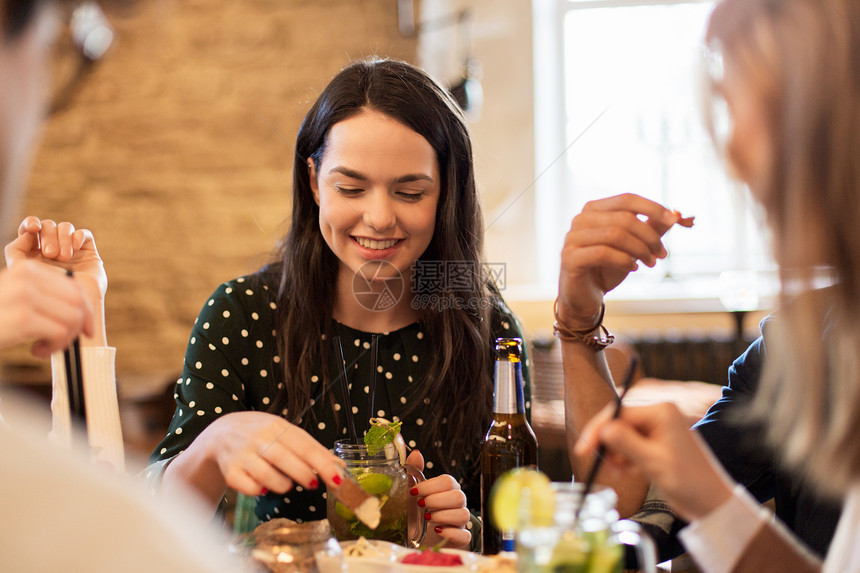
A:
509	442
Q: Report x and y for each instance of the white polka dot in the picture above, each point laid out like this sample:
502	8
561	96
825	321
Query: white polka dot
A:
244	333
240	280
313	402
367	389
411	443
273	306
322	337
366	345
244	362
420	335
193	340
224	373
389	375
178	431
344	431
381	413
249	292
357	342
225	341
209	385
263	373
312	508
228	290
259	344
403	399
409	378
255	316
419	422
180	412
337	407
453	463
324	495
201	413
299	488
211	302
321	425
192	403
379	368
211	346
198	365
218	409
287	500
235	398
414	358
429	465
277	510
163	450
266	400
315	378
396	356
444	420
205	326
276	360
226	314
188	381
426	400
354	410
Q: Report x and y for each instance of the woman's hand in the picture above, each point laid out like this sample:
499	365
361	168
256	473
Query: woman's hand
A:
39	303
655	442
604	244
444	505
256	452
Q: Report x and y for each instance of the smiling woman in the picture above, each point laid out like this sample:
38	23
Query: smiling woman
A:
280	361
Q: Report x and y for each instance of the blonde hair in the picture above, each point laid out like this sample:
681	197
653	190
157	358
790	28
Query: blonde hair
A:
803	58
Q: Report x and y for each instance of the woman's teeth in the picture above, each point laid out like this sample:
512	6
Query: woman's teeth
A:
375	245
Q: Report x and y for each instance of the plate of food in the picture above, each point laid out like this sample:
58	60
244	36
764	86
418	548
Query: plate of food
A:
371	555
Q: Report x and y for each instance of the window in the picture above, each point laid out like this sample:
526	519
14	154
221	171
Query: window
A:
624	77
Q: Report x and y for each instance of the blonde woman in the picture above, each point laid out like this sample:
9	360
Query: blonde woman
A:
788	74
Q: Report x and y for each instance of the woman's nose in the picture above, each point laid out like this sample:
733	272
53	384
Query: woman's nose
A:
379	212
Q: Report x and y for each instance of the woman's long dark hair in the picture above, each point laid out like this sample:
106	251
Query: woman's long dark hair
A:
457	380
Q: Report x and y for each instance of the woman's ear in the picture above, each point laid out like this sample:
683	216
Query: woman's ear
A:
312	175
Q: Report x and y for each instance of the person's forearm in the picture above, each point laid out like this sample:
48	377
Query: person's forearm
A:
588	388
197	469
772	550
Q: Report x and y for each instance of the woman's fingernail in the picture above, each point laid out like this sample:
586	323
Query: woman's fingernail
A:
337	480
438	529
421	502
427	516
264	491
314	484
413	491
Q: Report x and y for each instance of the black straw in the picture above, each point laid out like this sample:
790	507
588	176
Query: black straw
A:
601	450
75	381
344	384
374	358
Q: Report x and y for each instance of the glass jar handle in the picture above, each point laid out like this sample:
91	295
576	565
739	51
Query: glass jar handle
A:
628	532
416	525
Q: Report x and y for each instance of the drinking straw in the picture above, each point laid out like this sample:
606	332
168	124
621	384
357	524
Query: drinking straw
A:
344	384
374	358
75	381
601	450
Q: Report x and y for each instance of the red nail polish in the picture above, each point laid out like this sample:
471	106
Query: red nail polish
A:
427	516
314	484
421	502
438	529
337	480
264	491
413	491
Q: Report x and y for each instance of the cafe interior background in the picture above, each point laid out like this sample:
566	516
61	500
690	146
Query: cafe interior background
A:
176	151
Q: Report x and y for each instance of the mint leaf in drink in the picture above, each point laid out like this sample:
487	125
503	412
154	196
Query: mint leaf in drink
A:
381	433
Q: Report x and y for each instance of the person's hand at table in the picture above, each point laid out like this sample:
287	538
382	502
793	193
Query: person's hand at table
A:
254	453
39	303
444	505
656	442
606	242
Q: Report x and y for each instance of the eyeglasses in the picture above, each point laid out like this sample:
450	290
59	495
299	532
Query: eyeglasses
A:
80	45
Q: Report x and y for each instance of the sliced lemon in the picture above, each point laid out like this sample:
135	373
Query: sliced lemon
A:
522	497
373	483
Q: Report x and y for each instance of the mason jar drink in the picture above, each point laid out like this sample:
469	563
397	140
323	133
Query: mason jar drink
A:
590	544
379	472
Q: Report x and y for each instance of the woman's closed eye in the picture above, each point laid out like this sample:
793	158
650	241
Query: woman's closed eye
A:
348	191
410	196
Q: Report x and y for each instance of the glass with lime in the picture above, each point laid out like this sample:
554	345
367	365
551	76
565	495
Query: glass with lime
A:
548	537
379	471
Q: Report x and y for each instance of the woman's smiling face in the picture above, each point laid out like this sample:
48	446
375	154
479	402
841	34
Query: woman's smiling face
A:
377	188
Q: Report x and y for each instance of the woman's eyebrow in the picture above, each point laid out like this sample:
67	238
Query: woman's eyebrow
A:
353	174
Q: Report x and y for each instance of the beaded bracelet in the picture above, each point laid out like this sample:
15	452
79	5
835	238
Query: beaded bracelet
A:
597	341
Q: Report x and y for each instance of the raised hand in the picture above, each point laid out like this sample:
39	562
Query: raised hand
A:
444	505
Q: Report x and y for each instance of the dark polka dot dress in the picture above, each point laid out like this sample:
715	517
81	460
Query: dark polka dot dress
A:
232	364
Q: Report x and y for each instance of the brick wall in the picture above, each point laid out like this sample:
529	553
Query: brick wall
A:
177	152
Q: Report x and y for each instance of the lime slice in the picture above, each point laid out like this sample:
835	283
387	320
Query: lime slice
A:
373	483
522	497
343	511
